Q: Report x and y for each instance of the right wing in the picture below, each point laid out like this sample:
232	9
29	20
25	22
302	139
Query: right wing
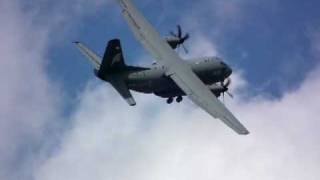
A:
204	98
177	69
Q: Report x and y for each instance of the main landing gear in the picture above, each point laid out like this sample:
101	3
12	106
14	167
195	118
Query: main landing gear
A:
178	99
169	100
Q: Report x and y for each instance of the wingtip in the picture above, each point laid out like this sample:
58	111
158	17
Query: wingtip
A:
131	101
245	132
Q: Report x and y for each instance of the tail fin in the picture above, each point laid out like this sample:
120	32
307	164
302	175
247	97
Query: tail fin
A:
113	60
112	63
93	57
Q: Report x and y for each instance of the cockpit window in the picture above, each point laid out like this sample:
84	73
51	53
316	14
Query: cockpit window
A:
222	63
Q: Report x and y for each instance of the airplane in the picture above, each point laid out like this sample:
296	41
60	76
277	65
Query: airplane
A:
203	80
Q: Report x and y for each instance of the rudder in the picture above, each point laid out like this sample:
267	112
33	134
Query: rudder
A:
112	61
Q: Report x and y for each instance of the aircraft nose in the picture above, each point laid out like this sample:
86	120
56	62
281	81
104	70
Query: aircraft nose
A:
227	71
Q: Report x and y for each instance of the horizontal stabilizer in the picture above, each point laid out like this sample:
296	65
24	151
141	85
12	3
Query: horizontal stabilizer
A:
119	84
93	57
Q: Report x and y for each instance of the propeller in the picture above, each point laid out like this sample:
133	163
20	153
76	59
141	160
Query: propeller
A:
181	38
225	84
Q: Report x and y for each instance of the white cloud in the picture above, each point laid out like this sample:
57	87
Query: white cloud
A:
29	99
59	17
200	47
27	102
110	140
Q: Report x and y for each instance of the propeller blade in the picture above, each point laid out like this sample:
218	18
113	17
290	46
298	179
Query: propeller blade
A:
179	31
178	49
231	95
187	36
185	49
180	40
183	39
226	83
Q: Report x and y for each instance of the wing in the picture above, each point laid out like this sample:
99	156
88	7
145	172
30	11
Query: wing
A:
176	68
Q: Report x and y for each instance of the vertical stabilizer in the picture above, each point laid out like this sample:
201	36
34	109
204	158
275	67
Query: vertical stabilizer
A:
110	67
112	61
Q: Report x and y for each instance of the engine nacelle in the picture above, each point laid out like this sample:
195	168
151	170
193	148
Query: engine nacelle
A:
173	42
216	89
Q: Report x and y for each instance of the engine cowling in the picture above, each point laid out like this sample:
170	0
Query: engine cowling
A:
216	89
173	42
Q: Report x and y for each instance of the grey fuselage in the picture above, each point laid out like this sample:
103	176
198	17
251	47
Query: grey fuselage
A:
154	80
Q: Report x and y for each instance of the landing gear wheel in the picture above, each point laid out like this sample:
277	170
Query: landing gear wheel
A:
179	99
169	100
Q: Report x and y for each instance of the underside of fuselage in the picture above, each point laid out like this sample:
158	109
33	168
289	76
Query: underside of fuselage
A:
155	81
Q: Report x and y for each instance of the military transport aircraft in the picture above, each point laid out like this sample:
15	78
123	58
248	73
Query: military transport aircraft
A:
202	79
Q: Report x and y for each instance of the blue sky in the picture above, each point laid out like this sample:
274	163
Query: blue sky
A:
57	121
269	41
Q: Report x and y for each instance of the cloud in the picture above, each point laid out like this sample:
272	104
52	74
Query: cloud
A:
27	99
67	14
110	140
30	100
200	47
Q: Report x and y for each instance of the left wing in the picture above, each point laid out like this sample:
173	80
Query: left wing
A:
176	68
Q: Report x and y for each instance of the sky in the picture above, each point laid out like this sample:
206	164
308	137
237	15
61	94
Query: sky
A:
57	121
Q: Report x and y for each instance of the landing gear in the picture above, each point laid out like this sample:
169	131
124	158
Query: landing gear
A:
179	99
169	100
